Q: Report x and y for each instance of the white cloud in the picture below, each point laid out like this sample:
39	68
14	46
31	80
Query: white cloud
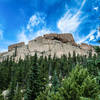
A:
69	22
3	50
36	27
83	3
88	36
1	34
96	8
22	37
43	31
35	20
98	34
40	32
92	37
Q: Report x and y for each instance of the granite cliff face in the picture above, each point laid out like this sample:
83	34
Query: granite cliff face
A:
49	44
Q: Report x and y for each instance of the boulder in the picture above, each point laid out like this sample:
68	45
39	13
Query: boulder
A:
5	94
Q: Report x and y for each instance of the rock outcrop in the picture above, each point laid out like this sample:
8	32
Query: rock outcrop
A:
48	44
5	94
60	37
11	47
86	47
64	38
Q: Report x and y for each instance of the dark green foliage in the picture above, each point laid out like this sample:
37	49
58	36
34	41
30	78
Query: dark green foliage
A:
97	49
33	84
1	98
32	74
12	89
44	95
43	75
83	98
78	84
55	82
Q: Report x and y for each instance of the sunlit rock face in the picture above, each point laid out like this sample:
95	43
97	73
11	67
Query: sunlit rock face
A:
86	46
49	44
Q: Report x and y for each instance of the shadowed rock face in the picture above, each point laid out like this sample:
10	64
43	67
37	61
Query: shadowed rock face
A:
64	38
61	37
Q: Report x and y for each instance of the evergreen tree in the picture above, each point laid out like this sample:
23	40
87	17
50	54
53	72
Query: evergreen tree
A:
90	55
74	58
55	82
13	80
33	84
18	94
12	89
97	49
43	75
32	74
79	84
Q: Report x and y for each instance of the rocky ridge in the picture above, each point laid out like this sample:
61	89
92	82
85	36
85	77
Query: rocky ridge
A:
49	44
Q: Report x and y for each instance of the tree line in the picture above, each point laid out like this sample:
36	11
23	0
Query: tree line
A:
74	77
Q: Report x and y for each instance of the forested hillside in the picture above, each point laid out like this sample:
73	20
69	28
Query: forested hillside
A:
47	78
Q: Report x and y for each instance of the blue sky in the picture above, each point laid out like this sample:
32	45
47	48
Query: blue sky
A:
23	20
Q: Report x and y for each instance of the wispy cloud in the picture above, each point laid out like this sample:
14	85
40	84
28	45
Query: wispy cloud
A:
88	36
4	43
34	21
92	37
43	31
70	22
83	3
98	33
1	34
22	37
96	8
3	50
36	27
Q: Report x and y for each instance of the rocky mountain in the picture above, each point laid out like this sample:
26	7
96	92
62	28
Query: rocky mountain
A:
49	44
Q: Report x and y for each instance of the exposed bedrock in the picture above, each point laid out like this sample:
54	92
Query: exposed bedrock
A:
49	44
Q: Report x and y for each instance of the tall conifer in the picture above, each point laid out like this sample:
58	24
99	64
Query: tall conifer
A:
33	84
